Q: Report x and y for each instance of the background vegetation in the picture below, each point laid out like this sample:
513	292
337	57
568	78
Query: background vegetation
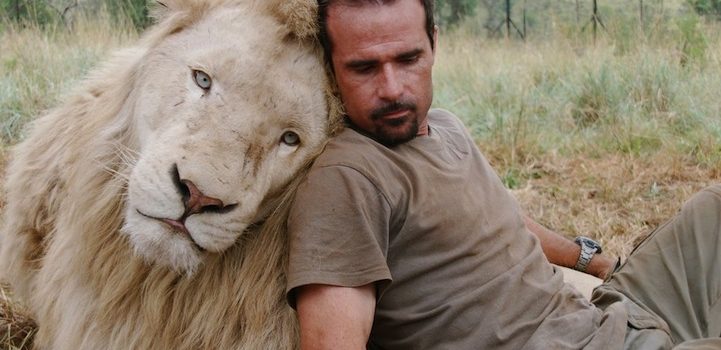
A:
604	137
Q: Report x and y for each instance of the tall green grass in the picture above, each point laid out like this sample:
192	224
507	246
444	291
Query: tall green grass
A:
39	64
605	139
564	95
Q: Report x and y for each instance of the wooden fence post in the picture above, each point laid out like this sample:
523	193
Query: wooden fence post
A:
578	15
640	12
595	21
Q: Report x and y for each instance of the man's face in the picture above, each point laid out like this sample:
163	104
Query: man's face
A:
383	60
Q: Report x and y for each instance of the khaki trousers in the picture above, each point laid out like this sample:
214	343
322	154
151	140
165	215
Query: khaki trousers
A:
671	282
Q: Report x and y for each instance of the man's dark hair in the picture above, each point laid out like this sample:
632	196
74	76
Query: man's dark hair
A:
323	18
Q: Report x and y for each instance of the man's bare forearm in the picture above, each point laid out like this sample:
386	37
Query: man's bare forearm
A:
564	252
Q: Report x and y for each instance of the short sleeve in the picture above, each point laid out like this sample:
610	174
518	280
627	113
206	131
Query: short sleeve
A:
338	227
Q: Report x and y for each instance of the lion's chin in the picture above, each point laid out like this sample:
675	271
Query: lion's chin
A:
158	245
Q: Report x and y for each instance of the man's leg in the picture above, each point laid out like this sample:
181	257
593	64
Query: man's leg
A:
676	272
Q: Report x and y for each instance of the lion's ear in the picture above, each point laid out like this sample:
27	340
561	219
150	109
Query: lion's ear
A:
299	16
161	9
173	15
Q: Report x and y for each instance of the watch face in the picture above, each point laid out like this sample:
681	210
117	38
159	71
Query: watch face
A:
585	241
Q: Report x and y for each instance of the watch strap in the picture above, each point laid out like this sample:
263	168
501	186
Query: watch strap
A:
588	249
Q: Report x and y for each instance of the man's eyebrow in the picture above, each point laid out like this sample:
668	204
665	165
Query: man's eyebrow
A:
410	54
360	63
369	63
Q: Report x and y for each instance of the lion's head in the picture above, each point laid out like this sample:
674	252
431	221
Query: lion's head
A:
228	108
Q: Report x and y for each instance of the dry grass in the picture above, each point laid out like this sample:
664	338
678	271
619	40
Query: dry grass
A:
39	65
16	328
617	199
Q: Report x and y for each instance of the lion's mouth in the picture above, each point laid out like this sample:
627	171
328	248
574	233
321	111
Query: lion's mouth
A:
177	226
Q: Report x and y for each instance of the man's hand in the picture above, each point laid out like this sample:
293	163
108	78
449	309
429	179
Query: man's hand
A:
564	252
334	317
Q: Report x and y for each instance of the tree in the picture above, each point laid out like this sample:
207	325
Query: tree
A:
708	8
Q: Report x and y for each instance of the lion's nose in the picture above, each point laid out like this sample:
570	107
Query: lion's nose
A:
195	201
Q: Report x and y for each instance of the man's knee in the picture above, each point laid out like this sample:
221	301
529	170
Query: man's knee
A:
703	211
709	196
695	231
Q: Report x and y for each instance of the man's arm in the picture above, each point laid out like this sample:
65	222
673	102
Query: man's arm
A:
335	317
564	252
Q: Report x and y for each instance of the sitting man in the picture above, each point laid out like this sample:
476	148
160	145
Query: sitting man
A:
403	237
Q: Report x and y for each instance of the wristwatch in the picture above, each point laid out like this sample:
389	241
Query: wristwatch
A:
589	247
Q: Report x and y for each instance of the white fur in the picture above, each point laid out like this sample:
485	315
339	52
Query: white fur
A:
96	272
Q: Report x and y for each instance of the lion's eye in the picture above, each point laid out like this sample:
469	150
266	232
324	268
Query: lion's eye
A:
290	138
202	79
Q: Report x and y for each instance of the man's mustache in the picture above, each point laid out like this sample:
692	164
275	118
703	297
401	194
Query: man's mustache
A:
392	107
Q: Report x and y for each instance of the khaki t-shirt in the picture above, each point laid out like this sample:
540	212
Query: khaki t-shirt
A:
431	224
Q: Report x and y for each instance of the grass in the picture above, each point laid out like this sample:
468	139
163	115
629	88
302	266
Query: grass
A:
605	140
592	140
38	65
16	329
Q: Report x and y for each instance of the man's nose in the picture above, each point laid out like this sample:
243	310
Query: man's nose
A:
391	88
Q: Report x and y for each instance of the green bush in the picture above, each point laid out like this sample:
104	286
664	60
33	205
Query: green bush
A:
709	8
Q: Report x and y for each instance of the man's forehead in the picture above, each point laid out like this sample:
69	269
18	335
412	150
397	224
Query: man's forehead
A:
398	29
369	12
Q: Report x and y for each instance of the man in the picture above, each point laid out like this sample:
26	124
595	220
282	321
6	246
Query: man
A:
402	237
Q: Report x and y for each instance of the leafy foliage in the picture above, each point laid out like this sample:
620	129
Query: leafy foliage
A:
710	8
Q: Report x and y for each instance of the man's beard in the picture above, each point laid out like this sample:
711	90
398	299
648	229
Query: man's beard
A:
386	132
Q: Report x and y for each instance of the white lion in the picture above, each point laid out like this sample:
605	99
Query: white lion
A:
148	211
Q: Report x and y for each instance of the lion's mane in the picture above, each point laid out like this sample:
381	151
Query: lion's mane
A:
66	193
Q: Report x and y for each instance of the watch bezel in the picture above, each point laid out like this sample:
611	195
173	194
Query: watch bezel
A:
588	242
